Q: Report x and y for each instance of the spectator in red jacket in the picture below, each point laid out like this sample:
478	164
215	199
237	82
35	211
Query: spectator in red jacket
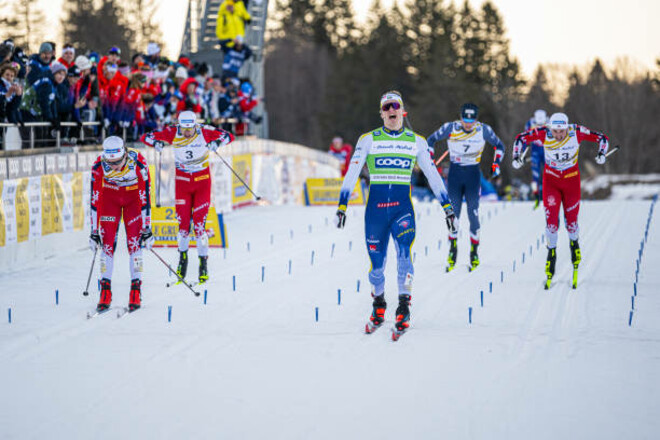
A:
113	57
341	151
68	55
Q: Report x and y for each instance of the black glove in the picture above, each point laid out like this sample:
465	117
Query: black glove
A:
341	217
94	241
147	239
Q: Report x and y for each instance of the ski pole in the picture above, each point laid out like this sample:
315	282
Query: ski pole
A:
237	176
174	272
612	151
91	269
159	167
437	162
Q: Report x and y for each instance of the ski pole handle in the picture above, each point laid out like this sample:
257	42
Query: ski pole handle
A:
612	151
91	269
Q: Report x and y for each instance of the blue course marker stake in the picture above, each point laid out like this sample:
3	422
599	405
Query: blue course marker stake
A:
57	297
482	298
350	245
9	314
439	244
426	251
632	298
289	267
414	256
99	281
470	315
291	233
169	313
490	287
630	319
248	246
205	292
338	296
317	314
358	285
523	258
309	228
514	265
501	276
530	250
635	289
312	258
332	251
263	273
233	282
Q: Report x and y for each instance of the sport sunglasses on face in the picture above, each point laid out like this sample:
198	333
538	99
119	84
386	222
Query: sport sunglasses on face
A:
389	105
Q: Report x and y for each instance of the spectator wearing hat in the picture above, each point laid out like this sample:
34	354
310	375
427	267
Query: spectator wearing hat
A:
86	92
231	20
234	58
153	54
112	96
63	99
10	92
6	52
342	151
68	56
191	100
132	102
40	64
113	57
180	76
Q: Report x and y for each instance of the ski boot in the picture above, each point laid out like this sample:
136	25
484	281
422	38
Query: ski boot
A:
474	256
453	252
203	270
402	317
136	295
576	257
106	296
183	265
550	266
377	315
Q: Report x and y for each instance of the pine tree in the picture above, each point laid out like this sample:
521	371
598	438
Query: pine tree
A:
92	28
139	17
29	22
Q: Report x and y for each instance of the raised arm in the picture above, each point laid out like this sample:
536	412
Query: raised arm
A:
440	134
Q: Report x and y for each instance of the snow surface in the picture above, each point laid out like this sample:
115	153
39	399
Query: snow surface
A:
254	363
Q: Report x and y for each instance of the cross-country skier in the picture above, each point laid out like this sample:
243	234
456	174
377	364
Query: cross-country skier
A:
561	180
192	143
390	153
466	139
539	120
120	189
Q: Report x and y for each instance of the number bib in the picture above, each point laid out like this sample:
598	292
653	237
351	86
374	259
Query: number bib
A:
466	148
191	154
563	154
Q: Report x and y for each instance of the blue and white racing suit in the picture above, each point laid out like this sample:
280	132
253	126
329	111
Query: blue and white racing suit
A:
465	150
390	157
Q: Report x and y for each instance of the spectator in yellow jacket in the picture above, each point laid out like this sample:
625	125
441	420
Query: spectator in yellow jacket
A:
232	17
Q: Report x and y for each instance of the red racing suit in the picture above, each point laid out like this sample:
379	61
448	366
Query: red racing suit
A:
561	175
193	178
116	194
344	154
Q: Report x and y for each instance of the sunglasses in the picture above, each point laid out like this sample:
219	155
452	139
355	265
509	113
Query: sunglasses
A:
389	105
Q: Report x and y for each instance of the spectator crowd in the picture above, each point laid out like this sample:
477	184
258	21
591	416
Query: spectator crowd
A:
126	95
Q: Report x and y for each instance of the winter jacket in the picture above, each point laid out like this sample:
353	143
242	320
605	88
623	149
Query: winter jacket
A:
8	106
231	24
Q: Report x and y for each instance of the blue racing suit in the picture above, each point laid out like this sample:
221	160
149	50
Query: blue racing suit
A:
390	157
465	150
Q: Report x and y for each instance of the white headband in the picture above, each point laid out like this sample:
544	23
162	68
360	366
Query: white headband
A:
391	97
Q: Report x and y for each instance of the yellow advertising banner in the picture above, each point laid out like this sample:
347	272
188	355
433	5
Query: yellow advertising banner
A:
152	184
22	211
58	202
166	228
78	208
242	164
326	192
2	217
47	205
